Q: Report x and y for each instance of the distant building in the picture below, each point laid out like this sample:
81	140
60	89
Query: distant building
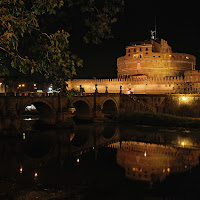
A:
149	67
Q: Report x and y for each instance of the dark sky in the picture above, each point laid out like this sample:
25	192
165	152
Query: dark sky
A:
176	23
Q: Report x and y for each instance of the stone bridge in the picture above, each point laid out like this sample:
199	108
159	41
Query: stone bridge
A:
53	108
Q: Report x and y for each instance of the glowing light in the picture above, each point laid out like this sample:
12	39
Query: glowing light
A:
34	84
77	160
145	154
183	144
187	57
21	170
23	85
184	98
168	169
133	168
28	119
163	170
24	136
36	175
0	84
20	85
170	56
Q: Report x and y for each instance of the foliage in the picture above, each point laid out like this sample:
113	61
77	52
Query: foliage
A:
72	93
157	119
29	49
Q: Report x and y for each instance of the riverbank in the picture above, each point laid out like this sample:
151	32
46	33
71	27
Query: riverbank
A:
157	119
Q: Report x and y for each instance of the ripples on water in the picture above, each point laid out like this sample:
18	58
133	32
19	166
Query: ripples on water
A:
100	162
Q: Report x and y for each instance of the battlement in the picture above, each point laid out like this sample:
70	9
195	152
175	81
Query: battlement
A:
132	79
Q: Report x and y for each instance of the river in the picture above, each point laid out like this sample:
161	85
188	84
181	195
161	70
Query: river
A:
100	161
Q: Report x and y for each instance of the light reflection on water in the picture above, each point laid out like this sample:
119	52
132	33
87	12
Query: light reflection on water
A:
153	162
84	156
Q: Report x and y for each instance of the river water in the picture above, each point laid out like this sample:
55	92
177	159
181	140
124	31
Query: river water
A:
100	161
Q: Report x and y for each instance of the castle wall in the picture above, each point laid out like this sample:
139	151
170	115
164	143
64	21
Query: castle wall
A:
189	83
155	64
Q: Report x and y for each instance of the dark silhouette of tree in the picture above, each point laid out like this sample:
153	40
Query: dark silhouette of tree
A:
28	44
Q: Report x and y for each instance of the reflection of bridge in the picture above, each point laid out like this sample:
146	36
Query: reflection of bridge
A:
40	147
55	108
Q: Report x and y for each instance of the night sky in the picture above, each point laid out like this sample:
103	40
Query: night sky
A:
176	23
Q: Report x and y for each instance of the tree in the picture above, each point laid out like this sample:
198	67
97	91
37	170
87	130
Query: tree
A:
28	46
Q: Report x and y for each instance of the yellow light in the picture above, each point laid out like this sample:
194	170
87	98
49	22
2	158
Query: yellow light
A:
77	160
133	168
183	144
0	84
23	85
21	170
145	154
170	56
20	85
24	136
36	174
187	57
34	84
163	170
184	98
168	169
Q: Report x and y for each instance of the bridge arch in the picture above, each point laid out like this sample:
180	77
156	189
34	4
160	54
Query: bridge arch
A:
46	110
109	106
110	133
82	107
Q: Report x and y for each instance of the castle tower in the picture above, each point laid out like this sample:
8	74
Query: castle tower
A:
154	58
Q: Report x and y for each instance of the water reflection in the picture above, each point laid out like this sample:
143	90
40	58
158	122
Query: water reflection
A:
152	162
83	156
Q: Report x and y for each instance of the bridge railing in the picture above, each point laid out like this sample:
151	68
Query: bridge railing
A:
29	94
101	94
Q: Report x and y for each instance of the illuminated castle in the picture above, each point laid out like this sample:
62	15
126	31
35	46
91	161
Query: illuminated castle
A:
154	59
149	67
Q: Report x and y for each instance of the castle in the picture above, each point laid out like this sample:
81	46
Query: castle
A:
149	67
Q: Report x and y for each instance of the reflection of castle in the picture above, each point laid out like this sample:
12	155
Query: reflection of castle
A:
152	162
149	67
